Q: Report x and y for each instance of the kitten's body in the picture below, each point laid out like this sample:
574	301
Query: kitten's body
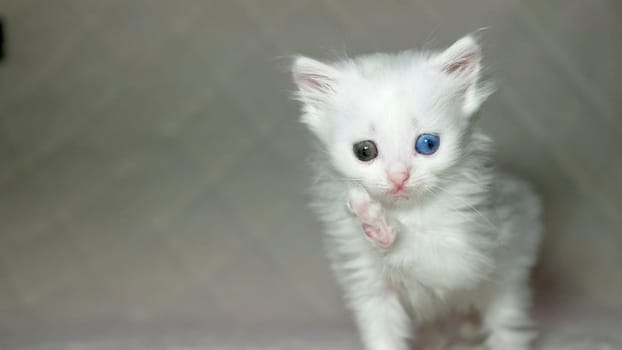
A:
463	237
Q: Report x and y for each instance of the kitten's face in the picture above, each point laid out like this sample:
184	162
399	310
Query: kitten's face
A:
393	136
394	124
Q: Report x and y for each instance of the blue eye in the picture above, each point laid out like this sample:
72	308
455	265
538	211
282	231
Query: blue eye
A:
427	144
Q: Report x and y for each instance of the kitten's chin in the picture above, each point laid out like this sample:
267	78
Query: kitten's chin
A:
398	196
391	196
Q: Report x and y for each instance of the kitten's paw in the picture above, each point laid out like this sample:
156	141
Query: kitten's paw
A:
372	217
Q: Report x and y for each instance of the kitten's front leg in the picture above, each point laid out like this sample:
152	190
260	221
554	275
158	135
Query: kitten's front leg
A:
382	321
507	319
372	217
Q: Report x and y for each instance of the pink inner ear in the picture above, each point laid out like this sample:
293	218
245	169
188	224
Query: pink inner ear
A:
314	82
465	63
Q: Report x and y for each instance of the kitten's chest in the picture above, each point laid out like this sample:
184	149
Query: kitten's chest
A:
419	231
440	226
425	224
438	249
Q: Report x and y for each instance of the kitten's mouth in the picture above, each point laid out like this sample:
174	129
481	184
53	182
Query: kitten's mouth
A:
400	192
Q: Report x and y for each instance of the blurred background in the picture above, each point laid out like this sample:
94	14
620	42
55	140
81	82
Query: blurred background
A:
153	174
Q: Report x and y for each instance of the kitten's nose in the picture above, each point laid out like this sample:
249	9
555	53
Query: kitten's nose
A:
398	174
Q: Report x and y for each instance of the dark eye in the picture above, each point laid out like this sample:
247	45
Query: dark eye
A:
365	150
427	144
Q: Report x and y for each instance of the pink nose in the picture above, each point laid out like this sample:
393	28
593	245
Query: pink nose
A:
398	174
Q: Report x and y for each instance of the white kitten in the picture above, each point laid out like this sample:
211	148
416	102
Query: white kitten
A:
419	222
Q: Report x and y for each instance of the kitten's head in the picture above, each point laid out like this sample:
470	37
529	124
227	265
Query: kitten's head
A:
393	123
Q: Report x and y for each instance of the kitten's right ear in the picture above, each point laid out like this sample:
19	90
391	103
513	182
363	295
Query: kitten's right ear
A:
316	81
462	61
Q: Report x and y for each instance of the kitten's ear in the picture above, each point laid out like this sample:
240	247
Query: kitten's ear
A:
462	61
463	57
316	81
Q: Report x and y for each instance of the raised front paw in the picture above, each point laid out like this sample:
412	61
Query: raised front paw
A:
372	217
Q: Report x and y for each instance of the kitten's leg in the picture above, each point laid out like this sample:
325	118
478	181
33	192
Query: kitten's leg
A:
382	321
507	319
470	330
372	217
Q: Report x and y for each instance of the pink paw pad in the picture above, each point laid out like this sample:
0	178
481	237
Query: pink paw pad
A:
383	235
372	218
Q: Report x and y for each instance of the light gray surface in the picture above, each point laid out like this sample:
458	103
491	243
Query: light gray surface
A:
152	171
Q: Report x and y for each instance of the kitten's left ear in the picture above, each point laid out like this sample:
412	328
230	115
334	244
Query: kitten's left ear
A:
316	81
462	61
317	86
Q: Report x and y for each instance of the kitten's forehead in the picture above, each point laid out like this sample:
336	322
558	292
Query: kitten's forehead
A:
394	98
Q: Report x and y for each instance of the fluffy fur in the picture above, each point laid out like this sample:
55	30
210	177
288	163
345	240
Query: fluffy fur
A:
461	235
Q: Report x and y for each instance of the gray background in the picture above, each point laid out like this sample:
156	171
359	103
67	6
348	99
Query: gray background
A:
153	175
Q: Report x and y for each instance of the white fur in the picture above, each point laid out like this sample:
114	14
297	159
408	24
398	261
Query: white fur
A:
467	234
